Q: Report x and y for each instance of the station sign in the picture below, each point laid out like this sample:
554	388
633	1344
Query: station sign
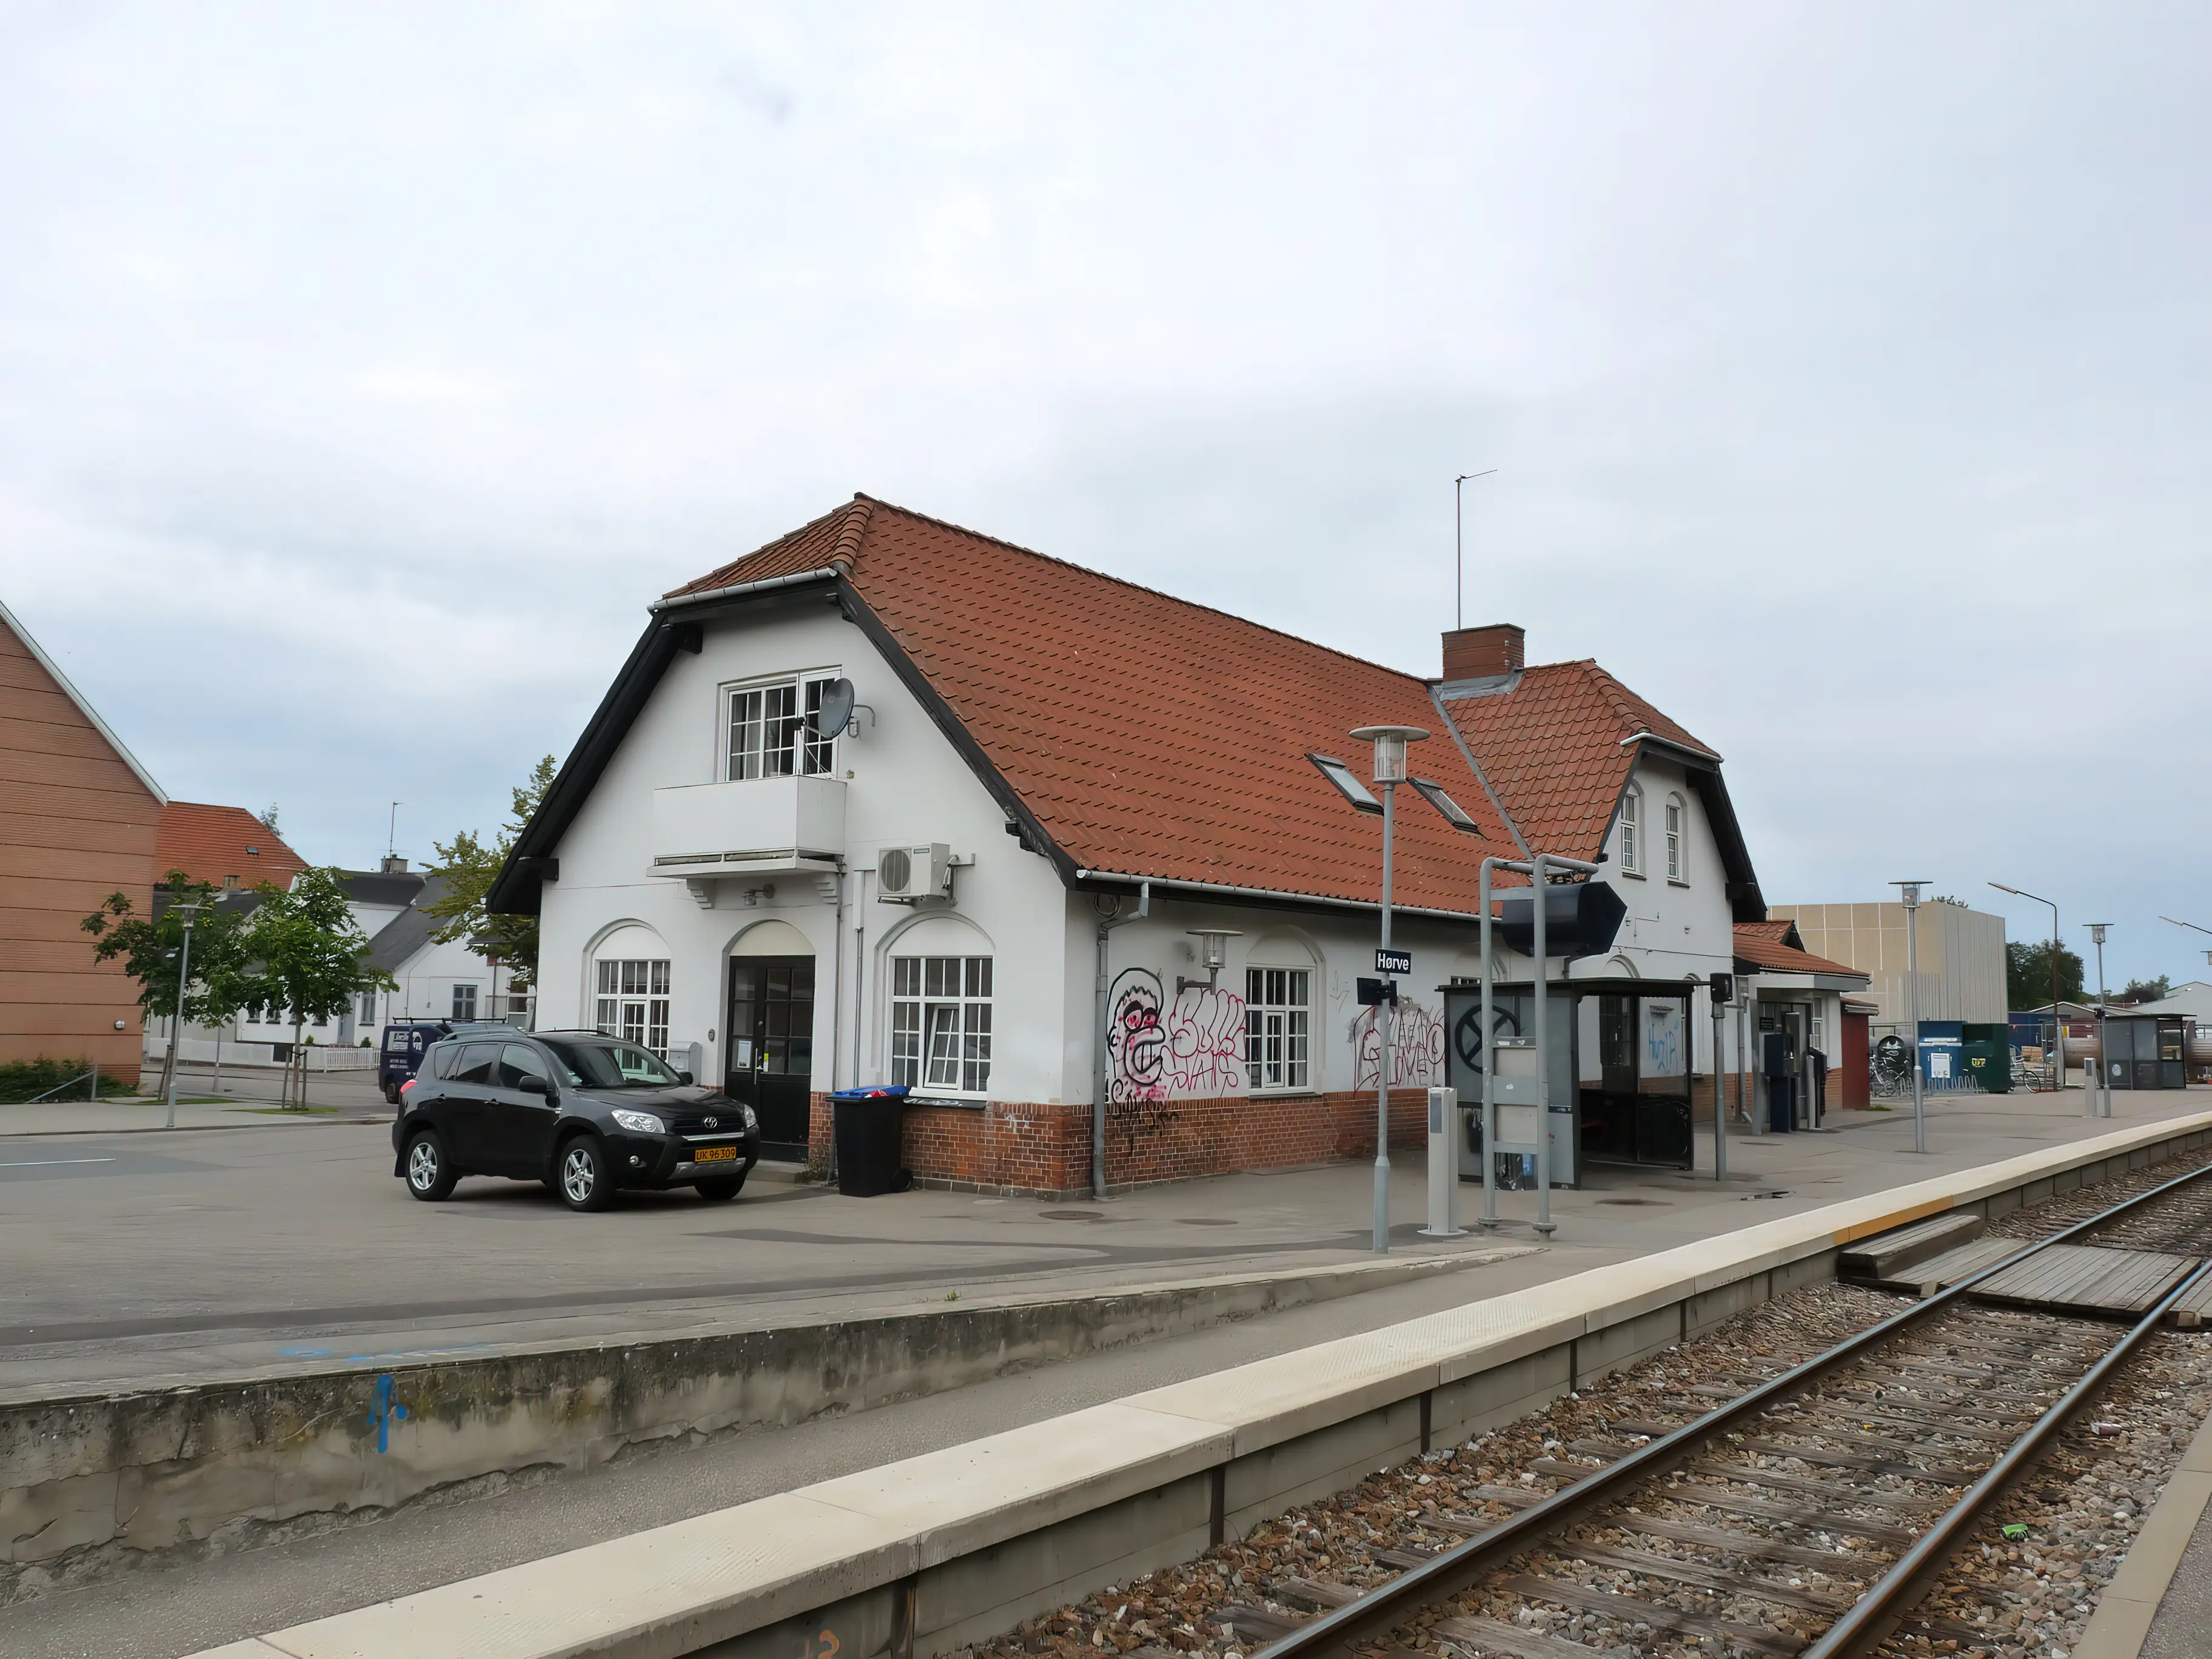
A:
1394	961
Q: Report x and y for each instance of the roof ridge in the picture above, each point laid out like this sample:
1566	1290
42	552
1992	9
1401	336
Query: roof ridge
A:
1140	587
860	512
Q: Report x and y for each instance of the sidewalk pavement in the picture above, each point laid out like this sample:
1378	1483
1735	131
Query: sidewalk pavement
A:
195	1256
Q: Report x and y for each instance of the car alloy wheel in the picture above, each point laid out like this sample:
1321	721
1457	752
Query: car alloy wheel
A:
423	1165
579	1175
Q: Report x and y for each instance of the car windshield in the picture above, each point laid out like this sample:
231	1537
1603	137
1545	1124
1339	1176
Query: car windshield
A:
612	1065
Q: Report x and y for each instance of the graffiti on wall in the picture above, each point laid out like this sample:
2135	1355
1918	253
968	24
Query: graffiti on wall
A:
1192	1048
1417	1048
1206	1042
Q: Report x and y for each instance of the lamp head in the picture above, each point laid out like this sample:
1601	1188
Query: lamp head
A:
1390	742
1213	945
1908	892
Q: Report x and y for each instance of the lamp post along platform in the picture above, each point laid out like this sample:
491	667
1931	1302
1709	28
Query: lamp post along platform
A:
1908	893
1388	772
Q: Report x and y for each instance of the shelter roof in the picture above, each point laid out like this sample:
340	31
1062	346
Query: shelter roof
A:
1776	947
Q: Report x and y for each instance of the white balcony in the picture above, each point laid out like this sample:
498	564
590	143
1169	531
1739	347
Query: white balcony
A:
758	827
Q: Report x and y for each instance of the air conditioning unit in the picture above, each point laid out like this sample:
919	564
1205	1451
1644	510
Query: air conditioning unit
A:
904	874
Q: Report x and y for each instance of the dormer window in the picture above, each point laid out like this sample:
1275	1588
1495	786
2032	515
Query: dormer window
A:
1631	831
770	732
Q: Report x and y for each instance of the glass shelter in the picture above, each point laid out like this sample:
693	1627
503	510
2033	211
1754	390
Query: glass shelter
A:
1618	1072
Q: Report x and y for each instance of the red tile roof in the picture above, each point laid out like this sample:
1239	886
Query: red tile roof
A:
1553	747
1149	736
1775	945
209	843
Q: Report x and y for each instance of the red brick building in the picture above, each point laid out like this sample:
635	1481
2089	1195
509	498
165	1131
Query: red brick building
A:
80	818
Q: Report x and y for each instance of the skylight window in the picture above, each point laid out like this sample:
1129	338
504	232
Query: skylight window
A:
1346	784
1447	808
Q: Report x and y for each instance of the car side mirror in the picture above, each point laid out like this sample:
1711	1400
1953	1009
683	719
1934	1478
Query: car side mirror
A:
684	1077
531	1085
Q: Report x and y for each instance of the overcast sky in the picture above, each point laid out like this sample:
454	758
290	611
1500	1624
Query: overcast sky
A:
365	371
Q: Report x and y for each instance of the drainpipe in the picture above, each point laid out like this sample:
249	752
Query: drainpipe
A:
1106	926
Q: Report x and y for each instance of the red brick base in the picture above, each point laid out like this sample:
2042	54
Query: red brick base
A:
1019	1147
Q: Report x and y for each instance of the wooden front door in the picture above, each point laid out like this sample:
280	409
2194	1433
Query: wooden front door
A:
771	1047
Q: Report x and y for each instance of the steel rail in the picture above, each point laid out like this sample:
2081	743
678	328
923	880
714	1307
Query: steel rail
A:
1390	1605
1888	1600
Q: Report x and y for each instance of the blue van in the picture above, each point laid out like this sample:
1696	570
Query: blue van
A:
402	1053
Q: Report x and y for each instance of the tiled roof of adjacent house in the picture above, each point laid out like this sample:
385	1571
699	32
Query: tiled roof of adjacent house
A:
1554	746
1776	945
213	843
1147	735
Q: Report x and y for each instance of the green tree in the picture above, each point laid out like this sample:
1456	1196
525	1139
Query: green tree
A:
309	955
2027	974
151	949
2146	990
470	868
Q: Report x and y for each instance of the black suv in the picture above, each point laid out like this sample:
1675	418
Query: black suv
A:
585	1113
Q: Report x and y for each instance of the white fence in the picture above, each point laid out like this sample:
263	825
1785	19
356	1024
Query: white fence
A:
321	1057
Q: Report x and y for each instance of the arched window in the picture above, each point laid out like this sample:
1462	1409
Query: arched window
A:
629	988
1631	831
1279	995
941	1008
1677	822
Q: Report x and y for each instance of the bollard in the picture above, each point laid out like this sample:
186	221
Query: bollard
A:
1444	1165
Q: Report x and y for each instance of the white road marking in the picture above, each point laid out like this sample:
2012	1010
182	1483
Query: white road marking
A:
48	1162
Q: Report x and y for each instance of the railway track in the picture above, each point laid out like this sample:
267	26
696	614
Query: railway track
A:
1796	1511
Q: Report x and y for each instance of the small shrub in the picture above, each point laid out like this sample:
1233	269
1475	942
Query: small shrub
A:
26	1079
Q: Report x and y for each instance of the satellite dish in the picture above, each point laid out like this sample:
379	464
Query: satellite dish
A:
837	711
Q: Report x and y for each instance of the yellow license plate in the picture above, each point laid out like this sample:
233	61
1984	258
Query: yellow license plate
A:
714	1155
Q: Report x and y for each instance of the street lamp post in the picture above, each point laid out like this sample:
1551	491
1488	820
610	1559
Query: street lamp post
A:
1389	743
1909	891
2104	1071
177	1024
2057	1025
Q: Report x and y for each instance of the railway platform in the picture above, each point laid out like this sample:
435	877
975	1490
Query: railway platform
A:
956	1546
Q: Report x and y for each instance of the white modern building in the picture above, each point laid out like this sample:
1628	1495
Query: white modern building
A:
1072	856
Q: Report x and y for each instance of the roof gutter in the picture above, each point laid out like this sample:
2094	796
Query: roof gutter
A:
1217	890
738	590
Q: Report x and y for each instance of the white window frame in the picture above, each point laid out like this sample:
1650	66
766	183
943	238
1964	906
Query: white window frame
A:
1678	829
1632	830
1278	1026
795	753
941	1023
630	1000
469	986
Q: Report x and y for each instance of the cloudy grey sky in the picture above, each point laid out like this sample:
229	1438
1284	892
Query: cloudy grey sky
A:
364	372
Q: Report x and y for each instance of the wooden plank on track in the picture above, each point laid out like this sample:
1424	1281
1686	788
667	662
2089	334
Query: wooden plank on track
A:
2087	1279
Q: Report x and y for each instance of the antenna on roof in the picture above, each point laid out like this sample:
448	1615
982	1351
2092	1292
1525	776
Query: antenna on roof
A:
1459	550
392	835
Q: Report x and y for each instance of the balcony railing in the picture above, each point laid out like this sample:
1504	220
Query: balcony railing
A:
756	827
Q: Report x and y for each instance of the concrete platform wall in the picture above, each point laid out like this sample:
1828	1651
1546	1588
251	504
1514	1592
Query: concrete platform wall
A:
140	1472
920	1558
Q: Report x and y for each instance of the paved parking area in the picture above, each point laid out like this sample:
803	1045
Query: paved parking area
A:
143	1257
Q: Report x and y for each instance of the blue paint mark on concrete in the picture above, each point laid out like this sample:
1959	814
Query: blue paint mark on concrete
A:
383	1411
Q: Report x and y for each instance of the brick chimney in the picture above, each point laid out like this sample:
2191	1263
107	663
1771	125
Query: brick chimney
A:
1482	653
